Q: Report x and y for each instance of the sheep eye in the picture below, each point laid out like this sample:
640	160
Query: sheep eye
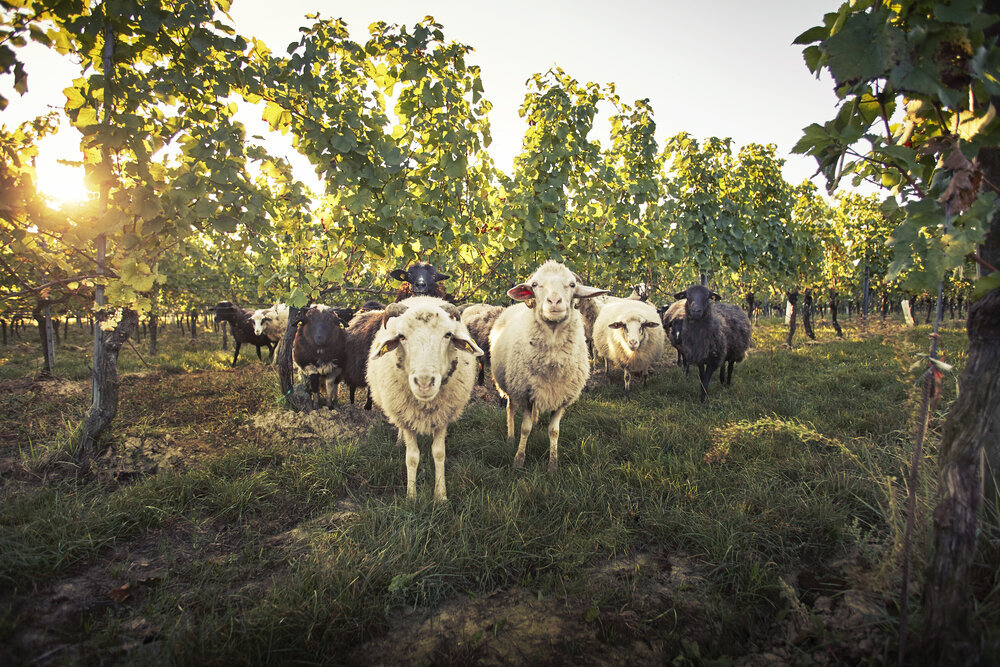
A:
534	283
402	337
572	284
448	335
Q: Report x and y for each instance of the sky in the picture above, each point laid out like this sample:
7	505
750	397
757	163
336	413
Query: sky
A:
724	68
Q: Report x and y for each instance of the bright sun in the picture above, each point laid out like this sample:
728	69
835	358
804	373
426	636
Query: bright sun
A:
61	183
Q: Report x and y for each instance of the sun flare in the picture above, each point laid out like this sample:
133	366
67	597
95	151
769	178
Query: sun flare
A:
62	183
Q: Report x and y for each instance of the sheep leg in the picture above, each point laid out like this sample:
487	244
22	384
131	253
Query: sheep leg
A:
271	347
510	420
482	373
314	391
368	403
729	374
554	438
628	385
705	373
437	451
351	391
527	422
259	358
236	353
332	387
412	460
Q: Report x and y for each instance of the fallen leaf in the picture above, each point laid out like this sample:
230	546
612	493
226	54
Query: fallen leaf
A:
121	594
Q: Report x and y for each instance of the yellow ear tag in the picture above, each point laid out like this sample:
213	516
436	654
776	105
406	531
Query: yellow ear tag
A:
388	346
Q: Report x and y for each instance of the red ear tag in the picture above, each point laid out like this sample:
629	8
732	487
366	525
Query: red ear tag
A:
520	293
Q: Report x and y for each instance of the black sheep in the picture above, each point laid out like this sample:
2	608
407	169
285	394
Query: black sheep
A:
318	351
737	338
421	279
360	334
703	336
673	323
345	314
242	327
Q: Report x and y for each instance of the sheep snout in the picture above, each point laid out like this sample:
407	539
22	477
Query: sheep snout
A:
554	309
425	385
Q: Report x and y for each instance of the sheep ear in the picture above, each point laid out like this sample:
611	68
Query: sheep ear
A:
586	291
521	292
647	325
715	296
438	277
399	274
391	311
468	345
387	346
453	311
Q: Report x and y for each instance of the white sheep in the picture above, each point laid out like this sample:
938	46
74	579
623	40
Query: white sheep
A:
628	333
421	370
271	322
538	353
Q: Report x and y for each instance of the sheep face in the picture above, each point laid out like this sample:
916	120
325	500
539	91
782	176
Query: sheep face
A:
225	310
346	314
699	299
551	290
632	331
640	292
261	318
421	276
320	326
426	342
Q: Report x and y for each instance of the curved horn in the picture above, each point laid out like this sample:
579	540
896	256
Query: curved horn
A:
393	310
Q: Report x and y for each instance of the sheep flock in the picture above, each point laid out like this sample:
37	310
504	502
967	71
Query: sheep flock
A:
419	356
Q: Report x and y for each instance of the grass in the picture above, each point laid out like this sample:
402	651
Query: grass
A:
782	491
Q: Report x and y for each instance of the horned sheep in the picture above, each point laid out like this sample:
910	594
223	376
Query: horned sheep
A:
539	354
421	370
628	333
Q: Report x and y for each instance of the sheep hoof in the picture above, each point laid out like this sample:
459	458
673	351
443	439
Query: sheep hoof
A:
519	460
554	466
